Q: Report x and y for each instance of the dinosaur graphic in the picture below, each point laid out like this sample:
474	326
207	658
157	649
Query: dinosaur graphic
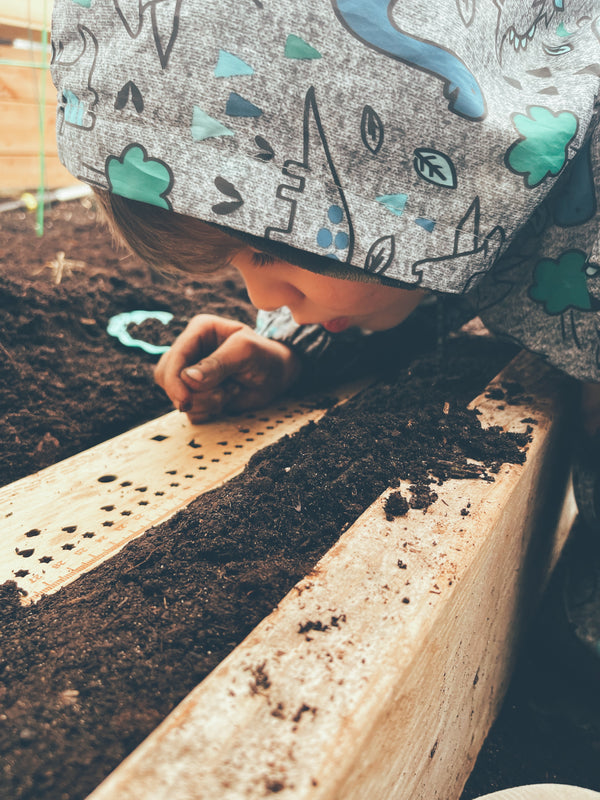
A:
543	26
373	23
519	23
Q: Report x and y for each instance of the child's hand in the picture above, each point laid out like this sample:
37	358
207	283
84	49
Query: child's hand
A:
217	365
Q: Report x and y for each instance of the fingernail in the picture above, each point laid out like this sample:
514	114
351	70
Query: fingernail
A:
185	406
195	373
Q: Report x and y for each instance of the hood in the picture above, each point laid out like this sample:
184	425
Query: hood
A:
406	141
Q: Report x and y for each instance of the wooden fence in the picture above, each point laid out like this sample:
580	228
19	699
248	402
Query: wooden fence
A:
24	89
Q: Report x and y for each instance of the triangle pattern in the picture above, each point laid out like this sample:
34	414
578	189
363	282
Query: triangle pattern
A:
206	127
229	65
238	106
296	47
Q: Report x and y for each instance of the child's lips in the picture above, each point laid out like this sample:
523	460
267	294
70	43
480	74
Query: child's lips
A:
336	325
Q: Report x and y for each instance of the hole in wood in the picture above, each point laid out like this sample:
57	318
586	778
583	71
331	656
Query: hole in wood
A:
25	553
107	479
126	483
103	508
45	559
159	438
33	532
68	546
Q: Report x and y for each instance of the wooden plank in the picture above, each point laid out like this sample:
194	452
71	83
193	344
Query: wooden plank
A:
83	510
25	14
21	173
23	84
10	31
394	696
20	93
19	132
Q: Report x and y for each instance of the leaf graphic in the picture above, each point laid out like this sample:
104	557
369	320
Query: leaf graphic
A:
371	130
136	98
435	167
229	190
380	255
466	9
123	97
266	151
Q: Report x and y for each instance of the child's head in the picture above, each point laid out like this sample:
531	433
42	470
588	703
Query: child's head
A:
331	295
290	135
164	239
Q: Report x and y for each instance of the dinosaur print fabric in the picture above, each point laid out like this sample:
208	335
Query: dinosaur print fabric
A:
452	146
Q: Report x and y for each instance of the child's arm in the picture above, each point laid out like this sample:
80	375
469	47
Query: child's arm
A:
218	365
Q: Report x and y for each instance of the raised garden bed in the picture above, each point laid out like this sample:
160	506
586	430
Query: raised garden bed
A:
108	652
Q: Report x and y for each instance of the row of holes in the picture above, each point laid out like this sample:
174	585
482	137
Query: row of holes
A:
27	553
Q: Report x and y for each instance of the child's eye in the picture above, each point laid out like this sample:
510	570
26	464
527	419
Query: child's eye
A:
262	259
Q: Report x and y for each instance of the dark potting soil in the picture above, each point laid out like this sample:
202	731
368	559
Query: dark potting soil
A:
65	384
87	673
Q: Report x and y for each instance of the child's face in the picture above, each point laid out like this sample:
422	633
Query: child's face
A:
334	303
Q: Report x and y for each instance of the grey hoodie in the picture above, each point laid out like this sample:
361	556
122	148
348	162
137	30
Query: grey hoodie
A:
453	145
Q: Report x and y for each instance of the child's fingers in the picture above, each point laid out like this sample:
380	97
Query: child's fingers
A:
206	406
201	336
233	356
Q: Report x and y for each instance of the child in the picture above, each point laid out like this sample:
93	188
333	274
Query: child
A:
349	158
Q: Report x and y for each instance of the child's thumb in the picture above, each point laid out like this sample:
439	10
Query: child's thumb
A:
213	369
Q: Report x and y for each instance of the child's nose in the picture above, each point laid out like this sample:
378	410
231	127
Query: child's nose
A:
269	294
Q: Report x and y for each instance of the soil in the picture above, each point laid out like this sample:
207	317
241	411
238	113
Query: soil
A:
65	384
87	673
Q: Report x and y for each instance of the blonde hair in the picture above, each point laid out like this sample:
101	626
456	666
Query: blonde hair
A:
165	239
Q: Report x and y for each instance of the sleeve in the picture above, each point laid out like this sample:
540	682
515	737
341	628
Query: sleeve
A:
328	358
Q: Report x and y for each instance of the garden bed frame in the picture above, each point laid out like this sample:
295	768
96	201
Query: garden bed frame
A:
381	672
